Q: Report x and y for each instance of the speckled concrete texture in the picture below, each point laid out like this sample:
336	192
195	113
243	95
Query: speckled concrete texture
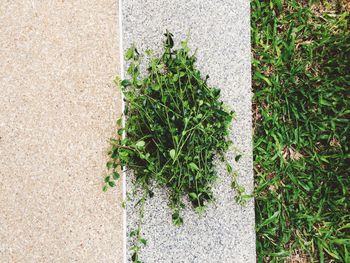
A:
58	108
221	32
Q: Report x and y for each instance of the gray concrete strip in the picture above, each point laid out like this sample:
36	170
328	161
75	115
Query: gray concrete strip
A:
221	32
58	108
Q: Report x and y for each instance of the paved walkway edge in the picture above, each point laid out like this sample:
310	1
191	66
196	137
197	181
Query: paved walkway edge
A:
221	32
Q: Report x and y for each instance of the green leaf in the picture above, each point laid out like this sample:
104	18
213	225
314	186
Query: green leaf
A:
120	131
124	153
193	166
238	157
109	165
229	168
119	121
177	219
258	75
269	220
169	42
241	189
143	241
111	184
172	154
140	144
125	83
156	87
116	175
193	195
175	78
104	188
132	233
129	53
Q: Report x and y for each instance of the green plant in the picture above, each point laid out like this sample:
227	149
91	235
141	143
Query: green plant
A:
301	134
175	126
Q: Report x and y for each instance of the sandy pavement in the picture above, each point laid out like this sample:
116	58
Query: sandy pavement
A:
58	108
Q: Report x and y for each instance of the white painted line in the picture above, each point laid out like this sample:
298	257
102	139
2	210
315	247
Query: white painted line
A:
121	64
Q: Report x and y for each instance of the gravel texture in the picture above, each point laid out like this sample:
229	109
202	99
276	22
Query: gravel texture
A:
58	108
220	31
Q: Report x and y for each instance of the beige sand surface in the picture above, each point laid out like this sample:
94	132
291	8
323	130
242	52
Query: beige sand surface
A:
57	109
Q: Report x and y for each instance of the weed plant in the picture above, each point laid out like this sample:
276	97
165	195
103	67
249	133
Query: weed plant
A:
175	125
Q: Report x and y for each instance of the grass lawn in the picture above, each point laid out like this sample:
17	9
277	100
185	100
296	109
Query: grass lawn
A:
301	82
